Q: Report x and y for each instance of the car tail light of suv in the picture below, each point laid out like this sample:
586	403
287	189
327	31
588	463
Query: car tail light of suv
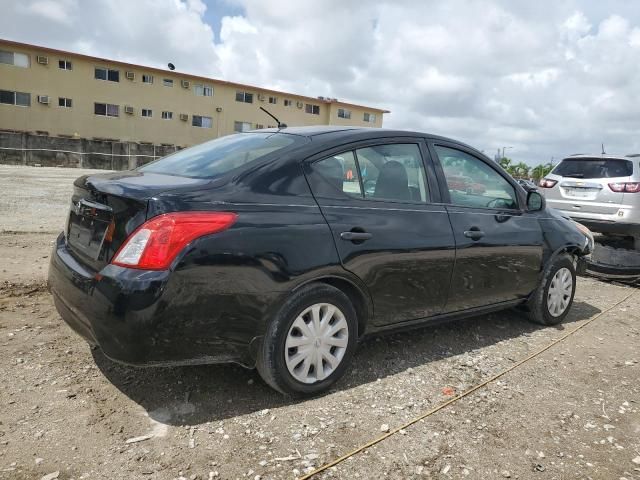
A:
157	242
547	183
627	187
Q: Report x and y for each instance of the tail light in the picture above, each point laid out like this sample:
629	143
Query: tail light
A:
628	187
547	183
157	242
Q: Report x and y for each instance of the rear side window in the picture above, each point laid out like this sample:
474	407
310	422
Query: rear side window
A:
393	172
217	157
594	168
473	183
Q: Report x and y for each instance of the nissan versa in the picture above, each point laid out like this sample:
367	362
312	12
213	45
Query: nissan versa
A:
279	249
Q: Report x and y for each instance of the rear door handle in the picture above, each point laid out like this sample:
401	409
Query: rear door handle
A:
474	233
355	236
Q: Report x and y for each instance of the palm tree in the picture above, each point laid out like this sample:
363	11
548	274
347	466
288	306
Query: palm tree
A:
521	170
541	171
505	163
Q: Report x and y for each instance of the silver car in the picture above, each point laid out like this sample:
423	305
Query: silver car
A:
600	191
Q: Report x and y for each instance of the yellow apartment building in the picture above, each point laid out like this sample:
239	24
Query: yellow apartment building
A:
64	94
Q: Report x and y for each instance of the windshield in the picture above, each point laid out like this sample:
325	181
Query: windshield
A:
217	157
594	168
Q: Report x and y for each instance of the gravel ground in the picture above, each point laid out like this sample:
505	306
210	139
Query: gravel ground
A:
68	412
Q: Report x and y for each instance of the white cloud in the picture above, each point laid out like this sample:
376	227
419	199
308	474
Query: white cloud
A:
548	77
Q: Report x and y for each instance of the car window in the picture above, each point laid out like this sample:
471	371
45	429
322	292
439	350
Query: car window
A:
594	168
339	173
217	157
393	172
473	183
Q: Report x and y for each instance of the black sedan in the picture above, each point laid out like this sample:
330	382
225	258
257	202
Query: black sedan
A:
280	249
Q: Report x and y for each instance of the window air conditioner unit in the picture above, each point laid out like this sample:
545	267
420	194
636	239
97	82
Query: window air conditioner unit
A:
185	83
183	116
42	60
130	75
299	104
218	109
261	97
128	109
44	99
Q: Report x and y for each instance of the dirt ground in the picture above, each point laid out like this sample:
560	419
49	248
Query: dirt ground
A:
67	412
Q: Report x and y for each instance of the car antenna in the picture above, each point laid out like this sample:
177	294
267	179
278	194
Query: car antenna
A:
280	125
603	152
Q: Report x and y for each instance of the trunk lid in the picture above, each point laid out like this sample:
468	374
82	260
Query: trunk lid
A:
107	208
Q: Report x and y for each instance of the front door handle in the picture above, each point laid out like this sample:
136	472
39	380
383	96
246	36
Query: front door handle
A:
474	233
355	236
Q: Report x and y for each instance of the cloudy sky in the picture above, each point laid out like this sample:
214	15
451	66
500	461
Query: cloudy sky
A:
548	78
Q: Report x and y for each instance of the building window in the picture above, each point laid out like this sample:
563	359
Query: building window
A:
273	100
203	90
369	117
65	102
245	97
241	126
312	109
106	110
65	65
167	115
342	113
259	126
146	78
107	74
147	112
287	102
20	99
167	82
13	58
203	122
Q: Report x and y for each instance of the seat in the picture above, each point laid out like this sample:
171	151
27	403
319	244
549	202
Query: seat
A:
332	171
393	182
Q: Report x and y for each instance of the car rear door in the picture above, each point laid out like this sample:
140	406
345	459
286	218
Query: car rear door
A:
380	199
499	245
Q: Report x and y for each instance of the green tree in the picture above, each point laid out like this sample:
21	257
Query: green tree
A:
521	170
541	171
505	163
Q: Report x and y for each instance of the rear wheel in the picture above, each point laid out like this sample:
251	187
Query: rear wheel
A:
552	300
309	344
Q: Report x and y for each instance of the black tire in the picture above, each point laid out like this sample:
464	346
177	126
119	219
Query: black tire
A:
271	362
537	309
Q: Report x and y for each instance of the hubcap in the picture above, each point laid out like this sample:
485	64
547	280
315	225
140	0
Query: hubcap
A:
559	294
316	343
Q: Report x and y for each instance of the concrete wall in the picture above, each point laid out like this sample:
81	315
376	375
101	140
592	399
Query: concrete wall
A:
19	148
84	90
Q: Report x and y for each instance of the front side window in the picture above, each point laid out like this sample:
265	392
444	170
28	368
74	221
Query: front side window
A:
473	183
217	157
200	121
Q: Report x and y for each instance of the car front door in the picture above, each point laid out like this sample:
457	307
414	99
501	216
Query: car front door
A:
378	199
499	245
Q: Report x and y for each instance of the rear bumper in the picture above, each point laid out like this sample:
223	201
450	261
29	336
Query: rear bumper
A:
145	318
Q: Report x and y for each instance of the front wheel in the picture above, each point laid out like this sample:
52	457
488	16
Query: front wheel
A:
552	300
309	344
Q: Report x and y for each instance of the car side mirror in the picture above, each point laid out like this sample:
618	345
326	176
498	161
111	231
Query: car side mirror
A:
535	201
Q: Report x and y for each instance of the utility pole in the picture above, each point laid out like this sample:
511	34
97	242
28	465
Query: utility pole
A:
503	149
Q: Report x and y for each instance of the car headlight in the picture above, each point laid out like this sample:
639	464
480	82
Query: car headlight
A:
589	242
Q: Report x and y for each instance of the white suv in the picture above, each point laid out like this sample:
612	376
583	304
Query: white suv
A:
599	191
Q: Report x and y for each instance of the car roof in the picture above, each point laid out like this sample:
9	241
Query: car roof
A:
329	133
600	156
